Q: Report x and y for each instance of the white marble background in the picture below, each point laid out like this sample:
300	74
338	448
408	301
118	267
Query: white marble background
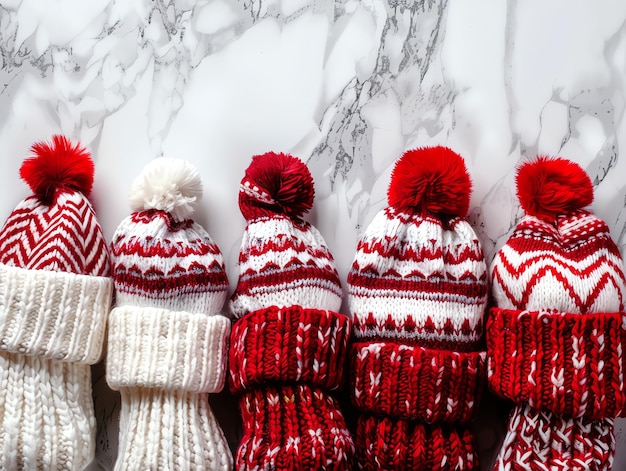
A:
345	85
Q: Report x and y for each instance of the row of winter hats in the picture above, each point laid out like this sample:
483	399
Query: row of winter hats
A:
412	348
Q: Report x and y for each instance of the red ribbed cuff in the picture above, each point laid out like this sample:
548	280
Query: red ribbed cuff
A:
286	345
569	364
416	383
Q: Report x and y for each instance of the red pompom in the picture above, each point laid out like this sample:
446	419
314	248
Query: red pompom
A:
547	187
432	180
276	184
59	165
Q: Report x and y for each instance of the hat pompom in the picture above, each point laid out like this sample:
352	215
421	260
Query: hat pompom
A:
547	187
58	165
433	180
166	184
276	183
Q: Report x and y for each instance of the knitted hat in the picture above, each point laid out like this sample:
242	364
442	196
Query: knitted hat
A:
288	345
55	295
417	294
556	336
167	342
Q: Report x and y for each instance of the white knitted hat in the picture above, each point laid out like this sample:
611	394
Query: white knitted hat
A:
167	341
55	295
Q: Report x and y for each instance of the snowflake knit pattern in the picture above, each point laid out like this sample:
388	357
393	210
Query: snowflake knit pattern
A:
555	338
55	295
417	294
288	343
167	344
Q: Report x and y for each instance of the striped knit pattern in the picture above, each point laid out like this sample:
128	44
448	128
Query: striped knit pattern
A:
283	362
418	290
163	263
281	261
55	296
556	341
167	343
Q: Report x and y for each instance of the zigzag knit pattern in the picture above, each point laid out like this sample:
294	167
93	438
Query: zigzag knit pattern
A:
556	342
63	237
54	271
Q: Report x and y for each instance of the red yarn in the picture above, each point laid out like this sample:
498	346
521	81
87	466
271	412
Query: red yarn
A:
547	187
283	364
58	165
276	183
431	179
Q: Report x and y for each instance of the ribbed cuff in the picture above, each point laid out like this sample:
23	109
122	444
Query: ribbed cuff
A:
569	364
174	350
55	315
288	344
416	383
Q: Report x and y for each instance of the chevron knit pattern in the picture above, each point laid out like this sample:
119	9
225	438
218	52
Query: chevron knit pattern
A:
54	301
167	343
556	343
288	344
417	293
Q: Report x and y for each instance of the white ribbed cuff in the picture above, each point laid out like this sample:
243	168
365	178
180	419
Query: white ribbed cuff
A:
175	350
56	315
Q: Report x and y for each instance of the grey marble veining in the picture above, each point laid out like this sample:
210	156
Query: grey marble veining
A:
346	85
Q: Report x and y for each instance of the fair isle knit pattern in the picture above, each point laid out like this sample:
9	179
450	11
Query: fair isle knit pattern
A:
417	293
285	261
406	254
289	343
167	341
55	295
555	339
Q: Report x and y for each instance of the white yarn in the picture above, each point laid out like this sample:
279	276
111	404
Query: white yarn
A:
167	184
164	363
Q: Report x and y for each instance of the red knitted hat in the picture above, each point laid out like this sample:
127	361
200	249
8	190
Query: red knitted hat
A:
55	298
288	345
555	338
167	341
417	292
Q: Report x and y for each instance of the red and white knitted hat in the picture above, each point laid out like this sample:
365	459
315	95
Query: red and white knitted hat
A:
417	294
555	339
283	260
167	341
288	344
55	295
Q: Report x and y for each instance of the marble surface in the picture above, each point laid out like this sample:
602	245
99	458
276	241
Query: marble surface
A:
345	85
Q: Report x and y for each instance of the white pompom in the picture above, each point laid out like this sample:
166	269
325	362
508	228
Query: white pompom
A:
166	184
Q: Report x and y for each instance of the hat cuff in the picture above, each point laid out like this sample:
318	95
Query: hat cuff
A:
566	363
288	344
416	382
173	350
55	315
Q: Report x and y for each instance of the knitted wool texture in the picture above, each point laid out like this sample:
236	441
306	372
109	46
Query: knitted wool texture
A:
167	341
556	336
55	295
417	294
555	339
288	343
